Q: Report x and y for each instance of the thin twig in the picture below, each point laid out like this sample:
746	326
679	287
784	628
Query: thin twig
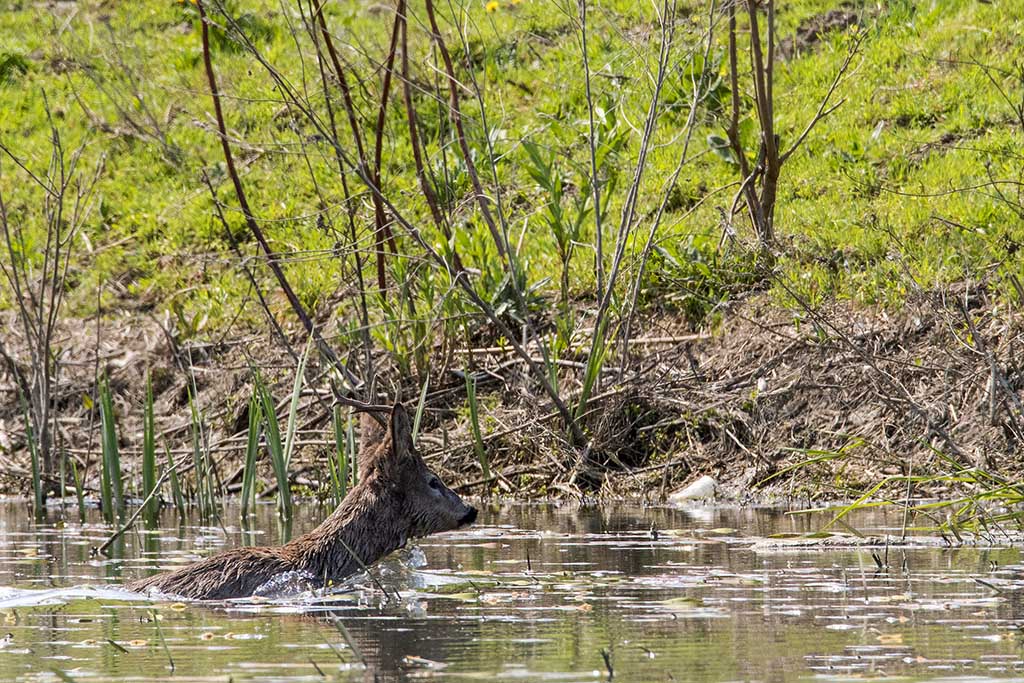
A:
456	115
250	220
131	520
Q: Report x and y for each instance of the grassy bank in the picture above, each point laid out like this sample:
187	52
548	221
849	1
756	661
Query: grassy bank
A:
595	199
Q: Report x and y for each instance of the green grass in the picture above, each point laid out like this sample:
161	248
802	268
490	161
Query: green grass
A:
851	215
985	503
177	494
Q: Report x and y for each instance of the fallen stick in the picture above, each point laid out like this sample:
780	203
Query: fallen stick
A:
643	341
131	520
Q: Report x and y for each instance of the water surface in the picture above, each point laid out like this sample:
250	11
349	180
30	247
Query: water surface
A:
530	593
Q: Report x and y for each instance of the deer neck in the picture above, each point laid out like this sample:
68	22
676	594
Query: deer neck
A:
363	529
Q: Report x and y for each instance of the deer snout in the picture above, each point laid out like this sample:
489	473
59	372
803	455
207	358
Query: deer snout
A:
469	517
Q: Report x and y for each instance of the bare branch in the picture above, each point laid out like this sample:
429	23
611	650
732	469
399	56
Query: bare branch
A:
823	108
250	220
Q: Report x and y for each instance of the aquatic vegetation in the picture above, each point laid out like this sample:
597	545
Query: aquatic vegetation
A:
177	493
979	502
111	477
149	485
206	484
252	444
344	457
276	447
37	484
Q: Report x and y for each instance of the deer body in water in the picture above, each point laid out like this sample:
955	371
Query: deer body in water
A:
398	498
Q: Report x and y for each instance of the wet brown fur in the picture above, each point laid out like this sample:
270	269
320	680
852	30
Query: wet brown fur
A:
397	498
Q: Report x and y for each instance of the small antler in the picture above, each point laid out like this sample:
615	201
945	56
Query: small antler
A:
372	431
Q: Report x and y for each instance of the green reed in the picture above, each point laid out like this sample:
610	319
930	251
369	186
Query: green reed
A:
111	482
275	446
79	493
420	407
38	502
152	509
353	451
252	446
338	465
205	475
977	501
176	492
155	618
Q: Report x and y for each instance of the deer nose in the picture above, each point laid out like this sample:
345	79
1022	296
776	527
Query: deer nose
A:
469	517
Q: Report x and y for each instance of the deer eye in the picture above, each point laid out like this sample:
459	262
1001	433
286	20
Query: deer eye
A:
435	484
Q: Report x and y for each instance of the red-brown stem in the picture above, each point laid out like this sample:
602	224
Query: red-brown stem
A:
315	7
243	202
762	98
383	232
460	131
414	140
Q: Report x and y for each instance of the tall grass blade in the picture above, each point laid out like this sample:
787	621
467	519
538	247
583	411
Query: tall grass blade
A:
420	407
206	496
594	364
63	676
293	407
112	486
338	465
38	504
152	509
79	493
197	460
160	635
62	492
353	453
474	420
815	456
176	494
276	448
252	445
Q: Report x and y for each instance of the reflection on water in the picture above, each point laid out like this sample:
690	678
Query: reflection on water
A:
532	592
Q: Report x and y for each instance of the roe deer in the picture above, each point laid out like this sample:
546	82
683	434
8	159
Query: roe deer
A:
397	498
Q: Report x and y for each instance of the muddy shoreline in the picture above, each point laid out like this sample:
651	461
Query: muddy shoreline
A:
858	394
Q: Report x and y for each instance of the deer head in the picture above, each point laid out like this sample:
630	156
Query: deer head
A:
425	505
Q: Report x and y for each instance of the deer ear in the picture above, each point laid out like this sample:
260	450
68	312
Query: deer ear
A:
371	433
401	432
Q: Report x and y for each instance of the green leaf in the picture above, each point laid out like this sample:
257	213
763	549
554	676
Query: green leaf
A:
720	146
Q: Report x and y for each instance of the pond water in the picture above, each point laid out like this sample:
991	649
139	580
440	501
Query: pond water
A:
530	593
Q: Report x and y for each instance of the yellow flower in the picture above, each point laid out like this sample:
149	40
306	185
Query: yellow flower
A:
492	6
